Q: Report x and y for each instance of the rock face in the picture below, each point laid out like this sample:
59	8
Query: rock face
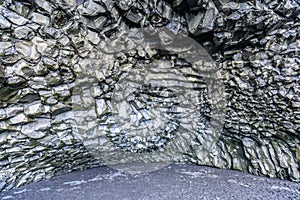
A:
68	101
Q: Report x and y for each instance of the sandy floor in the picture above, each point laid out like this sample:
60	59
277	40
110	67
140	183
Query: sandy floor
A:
175	181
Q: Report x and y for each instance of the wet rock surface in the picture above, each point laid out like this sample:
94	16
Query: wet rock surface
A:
60	82
171	182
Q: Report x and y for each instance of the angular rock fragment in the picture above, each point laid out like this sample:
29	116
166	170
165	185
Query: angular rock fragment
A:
22	32
37	129
45	5
90	8
4	46
93	37
18	119
4	23
33	109
40	19
13	17
135	15
67	4
27	49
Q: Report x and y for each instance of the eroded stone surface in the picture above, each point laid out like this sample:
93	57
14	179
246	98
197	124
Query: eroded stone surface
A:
49	53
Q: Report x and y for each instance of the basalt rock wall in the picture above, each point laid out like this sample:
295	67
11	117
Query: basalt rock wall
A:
49	49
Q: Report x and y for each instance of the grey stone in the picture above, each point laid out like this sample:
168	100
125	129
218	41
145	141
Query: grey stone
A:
100	22
37	129
15	81
93	37
102	108
4	23
19	119
66	136
4	46
40	19
41	45
50	63
38	83
13	17
64	40
33	109
2	114
194	22
135	16
67	4
203	22
45	5
90	8
51	100
53	78
4	137
59	108
22	32
53	32
27	49
13	110
62	91
19	8
125	4
21	68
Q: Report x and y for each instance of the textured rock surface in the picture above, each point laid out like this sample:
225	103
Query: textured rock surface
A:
173	182
49	49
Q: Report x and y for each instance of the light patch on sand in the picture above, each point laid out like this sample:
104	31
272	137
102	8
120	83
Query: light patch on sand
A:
20	191
200	174
276	187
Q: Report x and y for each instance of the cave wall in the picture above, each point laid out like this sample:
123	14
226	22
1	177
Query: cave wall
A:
46	48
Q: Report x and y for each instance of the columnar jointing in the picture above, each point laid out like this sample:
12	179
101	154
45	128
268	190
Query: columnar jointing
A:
83	83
